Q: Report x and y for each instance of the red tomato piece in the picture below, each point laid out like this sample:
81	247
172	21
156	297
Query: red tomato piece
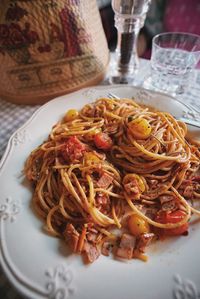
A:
181	230
170	217
103	141
173	217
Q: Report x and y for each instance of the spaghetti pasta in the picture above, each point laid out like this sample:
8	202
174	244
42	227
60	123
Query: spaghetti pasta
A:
104	164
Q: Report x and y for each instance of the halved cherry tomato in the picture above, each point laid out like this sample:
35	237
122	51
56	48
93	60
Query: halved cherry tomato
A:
90	135
90	158
181	230
140	128
103	141
173	217
137	225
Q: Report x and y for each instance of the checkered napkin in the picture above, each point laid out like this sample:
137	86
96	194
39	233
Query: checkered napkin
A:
11	118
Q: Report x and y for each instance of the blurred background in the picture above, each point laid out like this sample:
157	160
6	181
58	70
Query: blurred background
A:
163	16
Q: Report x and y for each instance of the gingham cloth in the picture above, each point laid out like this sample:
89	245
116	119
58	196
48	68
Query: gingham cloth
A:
14	116
11	118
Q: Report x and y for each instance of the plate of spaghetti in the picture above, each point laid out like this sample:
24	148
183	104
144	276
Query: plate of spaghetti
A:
99	195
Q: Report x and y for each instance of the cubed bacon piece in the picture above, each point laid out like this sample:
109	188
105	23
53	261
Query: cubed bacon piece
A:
71	236
126	247
143	241
91	237
132	188
196	178
169	206
105	181
168	202
185	183
106	247
73	149
101	200
90	252
92	234
188	192
165	198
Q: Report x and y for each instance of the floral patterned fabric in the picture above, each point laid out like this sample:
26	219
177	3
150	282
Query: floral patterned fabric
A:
50	48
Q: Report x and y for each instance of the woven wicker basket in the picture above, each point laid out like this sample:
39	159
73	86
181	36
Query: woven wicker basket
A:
49	48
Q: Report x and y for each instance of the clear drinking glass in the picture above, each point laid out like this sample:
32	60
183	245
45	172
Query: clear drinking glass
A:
129	19
174	56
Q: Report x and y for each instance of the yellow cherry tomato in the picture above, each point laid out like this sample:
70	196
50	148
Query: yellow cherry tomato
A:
140	128
90	135
71	115
90	158
137	225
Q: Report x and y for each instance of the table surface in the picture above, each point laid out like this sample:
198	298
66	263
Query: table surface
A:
14	116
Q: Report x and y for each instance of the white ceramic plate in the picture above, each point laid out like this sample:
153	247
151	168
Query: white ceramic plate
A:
39	266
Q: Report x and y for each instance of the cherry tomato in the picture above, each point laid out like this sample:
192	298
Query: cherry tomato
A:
173	217
90	158
71	115
137	225
177	231
103	141
90	135
140	128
